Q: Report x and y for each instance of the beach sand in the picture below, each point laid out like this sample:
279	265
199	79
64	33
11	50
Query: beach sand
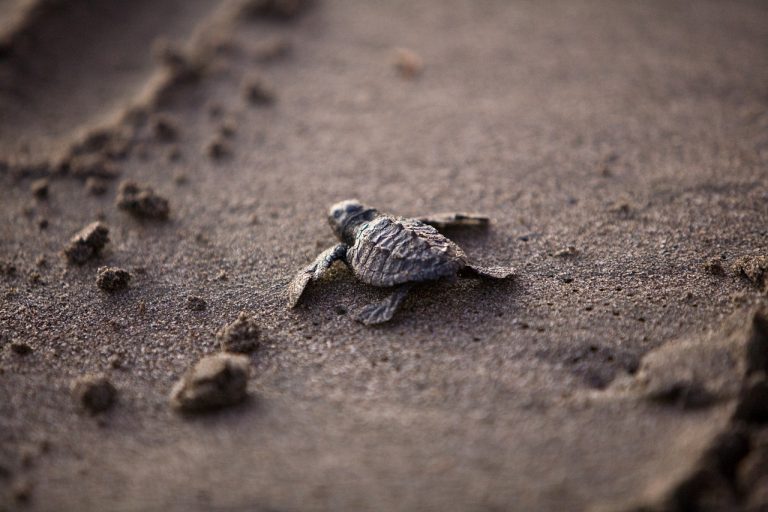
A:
621	149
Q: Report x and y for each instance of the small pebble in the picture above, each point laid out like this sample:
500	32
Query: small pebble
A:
241	336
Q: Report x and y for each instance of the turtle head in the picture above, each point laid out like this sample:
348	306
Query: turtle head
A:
345	216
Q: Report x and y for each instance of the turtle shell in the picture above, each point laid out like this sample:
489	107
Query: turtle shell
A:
388	251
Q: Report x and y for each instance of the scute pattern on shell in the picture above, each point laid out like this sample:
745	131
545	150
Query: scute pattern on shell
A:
389	251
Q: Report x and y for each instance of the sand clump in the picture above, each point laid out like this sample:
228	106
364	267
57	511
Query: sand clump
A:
40	188
181	64
141	201
228	128
112	279
87	243
258	91
242	335
752	268
567	252
196	303
697	371
35	278
686	373
217	148
164	128
100	146
93	393
715	267
408	63
214	382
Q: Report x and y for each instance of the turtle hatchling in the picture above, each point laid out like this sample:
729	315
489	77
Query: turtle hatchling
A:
388	251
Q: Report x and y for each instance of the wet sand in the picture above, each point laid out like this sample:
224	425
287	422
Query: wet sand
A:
613	376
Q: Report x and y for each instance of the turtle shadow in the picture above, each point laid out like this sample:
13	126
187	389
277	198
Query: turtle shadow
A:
224	414
471	304
461	300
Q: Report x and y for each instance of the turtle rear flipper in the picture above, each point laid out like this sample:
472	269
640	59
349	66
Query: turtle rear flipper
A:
477	272
383	311
456	220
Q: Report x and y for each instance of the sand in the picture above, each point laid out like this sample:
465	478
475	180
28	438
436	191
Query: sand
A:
620	149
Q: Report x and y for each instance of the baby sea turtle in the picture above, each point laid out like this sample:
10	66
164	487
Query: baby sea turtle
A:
384	250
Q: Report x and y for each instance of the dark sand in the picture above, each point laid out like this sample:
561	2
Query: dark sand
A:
635	132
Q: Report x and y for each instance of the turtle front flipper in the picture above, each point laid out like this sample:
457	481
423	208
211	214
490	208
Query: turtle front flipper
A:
456	220
474	271
383	311
313	271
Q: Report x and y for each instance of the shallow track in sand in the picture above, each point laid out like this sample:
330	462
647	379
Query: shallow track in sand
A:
67	67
